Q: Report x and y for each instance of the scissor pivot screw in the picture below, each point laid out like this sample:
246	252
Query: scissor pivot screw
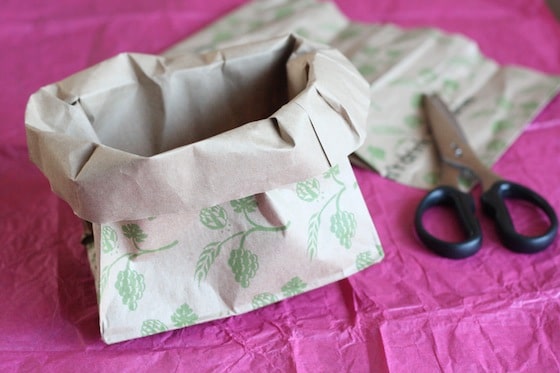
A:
457	151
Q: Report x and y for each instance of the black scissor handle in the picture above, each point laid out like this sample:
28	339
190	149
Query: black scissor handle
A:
493	203
463	205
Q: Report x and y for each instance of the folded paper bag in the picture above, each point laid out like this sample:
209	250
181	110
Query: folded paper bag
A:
216	183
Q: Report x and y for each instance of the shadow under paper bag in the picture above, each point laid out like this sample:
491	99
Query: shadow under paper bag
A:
215	183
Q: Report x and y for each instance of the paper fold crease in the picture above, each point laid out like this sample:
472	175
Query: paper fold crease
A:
133	143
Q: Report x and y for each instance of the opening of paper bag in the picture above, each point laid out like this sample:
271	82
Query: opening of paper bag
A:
192	130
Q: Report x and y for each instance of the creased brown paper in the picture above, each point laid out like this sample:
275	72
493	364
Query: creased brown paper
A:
217	184
115	135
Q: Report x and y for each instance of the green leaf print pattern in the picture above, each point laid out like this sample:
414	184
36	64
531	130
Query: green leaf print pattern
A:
206	259
343	223
150	327
213	217
376	152
134	232
364	260
371	61
184	316
243	263
108	239
313	234
308	190
293	287
244	205
263	299
130	284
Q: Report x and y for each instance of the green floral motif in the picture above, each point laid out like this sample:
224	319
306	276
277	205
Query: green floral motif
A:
254	24
465	181
244	205
380	252
284	11
150	327
507	109
413	121
243	263
108	239
303	32
370	50
130	285
376	152
343	225
529	107
393	54
348	33
366	69
501	125
431	178
221	36
423	77
206	259
214	217
313	234
371	60
483	113
184	316
332	172
416	100
308	190
450	86
134	232
364	260
293	287
136	235
504	103
496	145
426	75
386	130
263	299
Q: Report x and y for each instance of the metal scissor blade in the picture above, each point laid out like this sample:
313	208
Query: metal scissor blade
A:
451	143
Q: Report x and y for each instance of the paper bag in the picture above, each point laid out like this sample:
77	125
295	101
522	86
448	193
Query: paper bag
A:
216	183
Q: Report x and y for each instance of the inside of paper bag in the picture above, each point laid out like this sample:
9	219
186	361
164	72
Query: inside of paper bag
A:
180	107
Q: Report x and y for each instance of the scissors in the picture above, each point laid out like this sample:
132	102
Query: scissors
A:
456	158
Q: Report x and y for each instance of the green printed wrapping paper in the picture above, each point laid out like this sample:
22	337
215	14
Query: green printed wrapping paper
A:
215	183
493	103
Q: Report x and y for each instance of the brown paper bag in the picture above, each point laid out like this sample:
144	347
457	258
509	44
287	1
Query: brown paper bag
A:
216	183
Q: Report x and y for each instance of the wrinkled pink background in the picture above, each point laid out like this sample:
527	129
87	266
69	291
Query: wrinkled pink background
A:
496	311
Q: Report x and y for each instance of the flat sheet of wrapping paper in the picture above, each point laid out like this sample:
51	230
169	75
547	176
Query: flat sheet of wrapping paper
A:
239	197
493	103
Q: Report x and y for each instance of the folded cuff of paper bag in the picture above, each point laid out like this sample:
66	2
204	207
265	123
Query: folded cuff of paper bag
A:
140	135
